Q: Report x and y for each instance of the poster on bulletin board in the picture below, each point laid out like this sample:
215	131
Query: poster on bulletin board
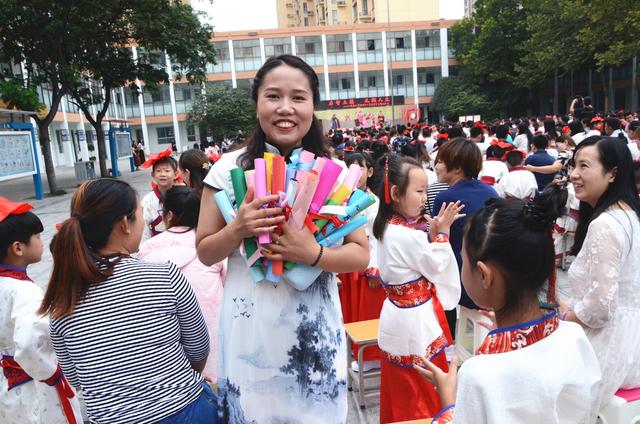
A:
17	158
123	142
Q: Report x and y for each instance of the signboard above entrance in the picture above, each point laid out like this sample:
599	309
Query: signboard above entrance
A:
361	102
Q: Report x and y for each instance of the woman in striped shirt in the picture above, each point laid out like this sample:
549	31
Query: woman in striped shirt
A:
130	334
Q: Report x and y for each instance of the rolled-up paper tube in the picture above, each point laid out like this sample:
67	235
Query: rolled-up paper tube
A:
344	231
239	185
330	173
305	164
357	194
278	175
337	198
224	205
318	165
305	194
291	175
226	209
353	176
260	167
292	189
268	158
249	178
352	210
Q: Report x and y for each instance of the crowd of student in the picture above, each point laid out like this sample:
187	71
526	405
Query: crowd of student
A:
151	313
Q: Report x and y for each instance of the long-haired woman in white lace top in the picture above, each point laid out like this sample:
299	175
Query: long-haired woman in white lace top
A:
605	276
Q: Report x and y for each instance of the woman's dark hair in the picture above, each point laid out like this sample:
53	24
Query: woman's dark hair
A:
197	163
416	150
502	132
18	228
515	236
523	128
184	203
613	122
96	207
576	127
634	125
550	128
398	175
461	153
613	154
313	141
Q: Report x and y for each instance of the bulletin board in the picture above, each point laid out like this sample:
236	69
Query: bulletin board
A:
17	157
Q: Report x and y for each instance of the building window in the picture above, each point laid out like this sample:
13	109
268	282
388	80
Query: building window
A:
186	93
365	7
399	43
371	81
305	7
431	78
334	16
165	135
191	134
355	10
309	47
346	84
371	45
306	21
398	79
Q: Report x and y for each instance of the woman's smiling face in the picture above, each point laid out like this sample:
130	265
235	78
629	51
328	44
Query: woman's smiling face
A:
285	107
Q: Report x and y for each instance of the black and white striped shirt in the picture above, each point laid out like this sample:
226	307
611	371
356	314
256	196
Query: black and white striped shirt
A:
128	344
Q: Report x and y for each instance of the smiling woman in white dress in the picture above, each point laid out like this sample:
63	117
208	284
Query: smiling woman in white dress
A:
605	276
283	356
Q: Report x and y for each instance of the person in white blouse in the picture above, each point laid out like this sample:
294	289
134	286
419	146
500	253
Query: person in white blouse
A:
605	276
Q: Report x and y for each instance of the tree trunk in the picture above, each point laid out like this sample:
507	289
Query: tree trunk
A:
634	84
43	134
102	150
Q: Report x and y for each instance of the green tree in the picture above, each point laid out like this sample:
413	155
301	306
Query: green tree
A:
221	111
489	44
459	95
38	34
105	62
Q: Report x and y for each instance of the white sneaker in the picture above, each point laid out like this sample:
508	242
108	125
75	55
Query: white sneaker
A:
450	352
366	365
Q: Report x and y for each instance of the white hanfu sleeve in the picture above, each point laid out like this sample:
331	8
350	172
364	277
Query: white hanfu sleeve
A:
433	260
604	255
33	350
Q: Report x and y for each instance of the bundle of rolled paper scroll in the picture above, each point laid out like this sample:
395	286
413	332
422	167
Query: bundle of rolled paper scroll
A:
312	193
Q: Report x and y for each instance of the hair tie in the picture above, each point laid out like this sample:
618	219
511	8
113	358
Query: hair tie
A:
206	165
387	195
535	217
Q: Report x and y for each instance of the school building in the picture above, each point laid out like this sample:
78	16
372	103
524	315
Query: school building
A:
376	68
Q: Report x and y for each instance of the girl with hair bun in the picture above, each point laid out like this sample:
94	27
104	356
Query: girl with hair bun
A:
533	368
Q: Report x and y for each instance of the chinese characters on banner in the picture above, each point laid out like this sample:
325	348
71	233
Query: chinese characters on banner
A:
362	102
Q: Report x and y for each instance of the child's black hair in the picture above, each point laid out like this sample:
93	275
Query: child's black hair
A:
514	158
516	237
164	161
362	159
184	203
398	175
18	228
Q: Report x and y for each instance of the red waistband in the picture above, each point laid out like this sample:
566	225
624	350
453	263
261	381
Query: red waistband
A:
413	293
16	376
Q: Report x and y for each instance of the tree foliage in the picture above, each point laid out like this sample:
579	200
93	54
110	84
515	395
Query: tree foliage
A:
221	111
81	48
510	47
459	95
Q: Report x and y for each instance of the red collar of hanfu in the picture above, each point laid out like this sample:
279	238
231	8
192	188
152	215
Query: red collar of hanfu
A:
518	336
414	224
